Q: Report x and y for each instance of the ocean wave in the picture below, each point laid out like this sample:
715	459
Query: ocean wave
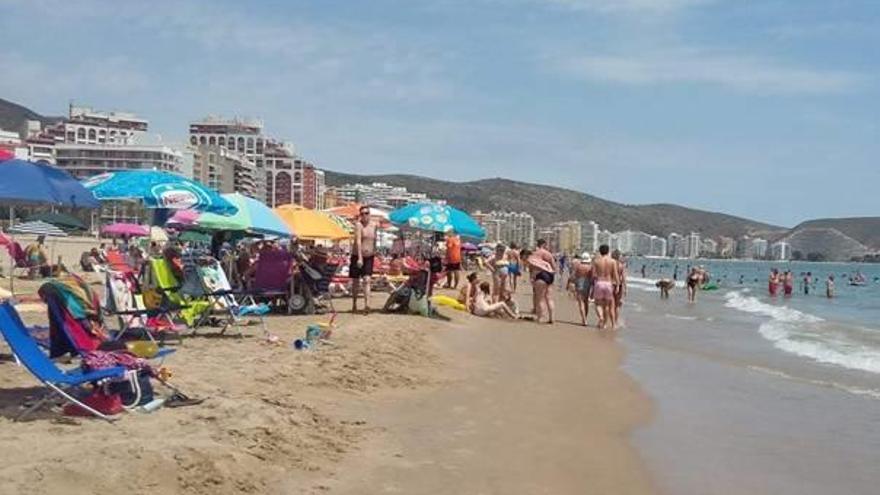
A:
869	392
809	336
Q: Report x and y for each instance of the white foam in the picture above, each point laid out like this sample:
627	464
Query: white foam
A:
802	334
869	392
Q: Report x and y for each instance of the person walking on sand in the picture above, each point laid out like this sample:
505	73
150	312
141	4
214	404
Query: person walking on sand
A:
514	267
604	272
619	287
453	260
542	266
829	287
582	278
363	255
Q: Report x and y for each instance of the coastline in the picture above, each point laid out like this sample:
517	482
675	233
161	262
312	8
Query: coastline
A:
397	403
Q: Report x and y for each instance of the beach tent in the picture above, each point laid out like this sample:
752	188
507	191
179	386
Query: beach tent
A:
311	224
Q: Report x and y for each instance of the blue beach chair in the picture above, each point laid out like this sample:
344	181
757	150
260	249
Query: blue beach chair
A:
44	369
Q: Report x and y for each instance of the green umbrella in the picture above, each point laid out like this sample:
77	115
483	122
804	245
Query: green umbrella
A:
194	236
252	217
60	220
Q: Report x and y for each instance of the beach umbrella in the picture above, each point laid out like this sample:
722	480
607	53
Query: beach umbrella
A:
60	220
311	224
38	227
32	183
193	236
252	216
125	229
157	189
341	221
437	218
468	246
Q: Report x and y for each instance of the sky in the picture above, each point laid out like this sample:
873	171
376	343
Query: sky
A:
766	109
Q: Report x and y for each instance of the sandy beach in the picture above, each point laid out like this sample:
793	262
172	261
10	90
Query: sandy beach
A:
397	404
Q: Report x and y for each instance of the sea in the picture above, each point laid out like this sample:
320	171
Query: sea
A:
753	393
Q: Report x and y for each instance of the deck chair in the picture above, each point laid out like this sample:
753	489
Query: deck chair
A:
117	261
124	300
272	278
74	331
16	252
159	277
61	382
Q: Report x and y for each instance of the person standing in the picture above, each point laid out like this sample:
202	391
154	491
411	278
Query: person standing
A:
773	282
808	279
788	283
605	273
619	287
694	279
363	256
582	278
453	260
542	265
829	287
514	267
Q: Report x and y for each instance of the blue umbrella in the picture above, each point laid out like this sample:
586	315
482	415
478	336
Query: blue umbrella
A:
23	182
158	190
437	218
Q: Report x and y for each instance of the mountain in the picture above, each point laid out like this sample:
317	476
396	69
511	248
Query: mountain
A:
839	239
13	115
865	230
551	204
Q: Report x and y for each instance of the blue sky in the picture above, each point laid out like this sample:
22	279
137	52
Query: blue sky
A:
766	109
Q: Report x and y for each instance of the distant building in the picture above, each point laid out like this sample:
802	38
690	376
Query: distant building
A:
86	160
516	228
633	243
709	247
85	125
658	246
607	238
568	236
243	136
673	248
379	194
781	251
551	236
589	237
759	249
694	245
224	170
726	247
743	247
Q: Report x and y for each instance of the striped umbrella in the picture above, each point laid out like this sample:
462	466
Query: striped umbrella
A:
38	227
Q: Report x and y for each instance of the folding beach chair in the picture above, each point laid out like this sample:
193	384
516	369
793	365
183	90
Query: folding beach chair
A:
124	300
159	278
61	382
16	252
271	278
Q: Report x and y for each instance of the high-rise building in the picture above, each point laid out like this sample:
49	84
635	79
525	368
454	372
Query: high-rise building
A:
709	247
633	243
589	237
759	248
516	228
672	245
243	136
379	194
694	245
781	251
86	160
222	169
85	125
568	236
726	247
607	238
658	246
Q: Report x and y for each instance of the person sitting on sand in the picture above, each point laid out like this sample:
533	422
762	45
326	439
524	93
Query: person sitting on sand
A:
469	292
37	259
484	307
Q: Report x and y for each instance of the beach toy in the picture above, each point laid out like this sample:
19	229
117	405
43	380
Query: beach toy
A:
710	287
142	348
449	302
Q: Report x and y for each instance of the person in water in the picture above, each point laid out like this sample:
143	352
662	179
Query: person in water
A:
773	282
829	287
787	283
694	280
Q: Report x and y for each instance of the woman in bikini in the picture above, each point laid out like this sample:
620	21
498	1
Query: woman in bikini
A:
693	281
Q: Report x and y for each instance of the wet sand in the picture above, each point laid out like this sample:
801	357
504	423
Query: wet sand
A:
398	404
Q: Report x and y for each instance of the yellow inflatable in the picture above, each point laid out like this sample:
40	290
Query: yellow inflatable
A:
448	302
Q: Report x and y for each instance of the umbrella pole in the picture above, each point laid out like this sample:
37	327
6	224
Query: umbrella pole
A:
11	258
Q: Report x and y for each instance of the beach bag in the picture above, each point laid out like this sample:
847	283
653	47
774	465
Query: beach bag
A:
419	305
100	400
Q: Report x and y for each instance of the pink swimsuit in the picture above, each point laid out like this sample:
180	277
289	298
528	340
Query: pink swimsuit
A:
603	291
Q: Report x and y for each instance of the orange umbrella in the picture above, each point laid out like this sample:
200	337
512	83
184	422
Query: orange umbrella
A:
311	224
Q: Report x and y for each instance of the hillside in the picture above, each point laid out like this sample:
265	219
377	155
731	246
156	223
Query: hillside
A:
865	230
12	116
550	204
832	243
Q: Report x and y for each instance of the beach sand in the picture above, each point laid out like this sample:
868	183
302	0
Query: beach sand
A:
397	404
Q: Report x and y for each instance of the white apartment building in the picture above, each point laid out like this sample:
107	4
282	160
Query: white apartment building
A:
589	237
658	246
85	125
86	160
516	228
672	245
222	169
758	248
379	194
244	136
781	251
694	245
633	243
709	247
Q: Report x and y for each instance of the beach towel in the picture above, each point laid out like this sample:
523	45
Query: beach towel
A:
80	309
